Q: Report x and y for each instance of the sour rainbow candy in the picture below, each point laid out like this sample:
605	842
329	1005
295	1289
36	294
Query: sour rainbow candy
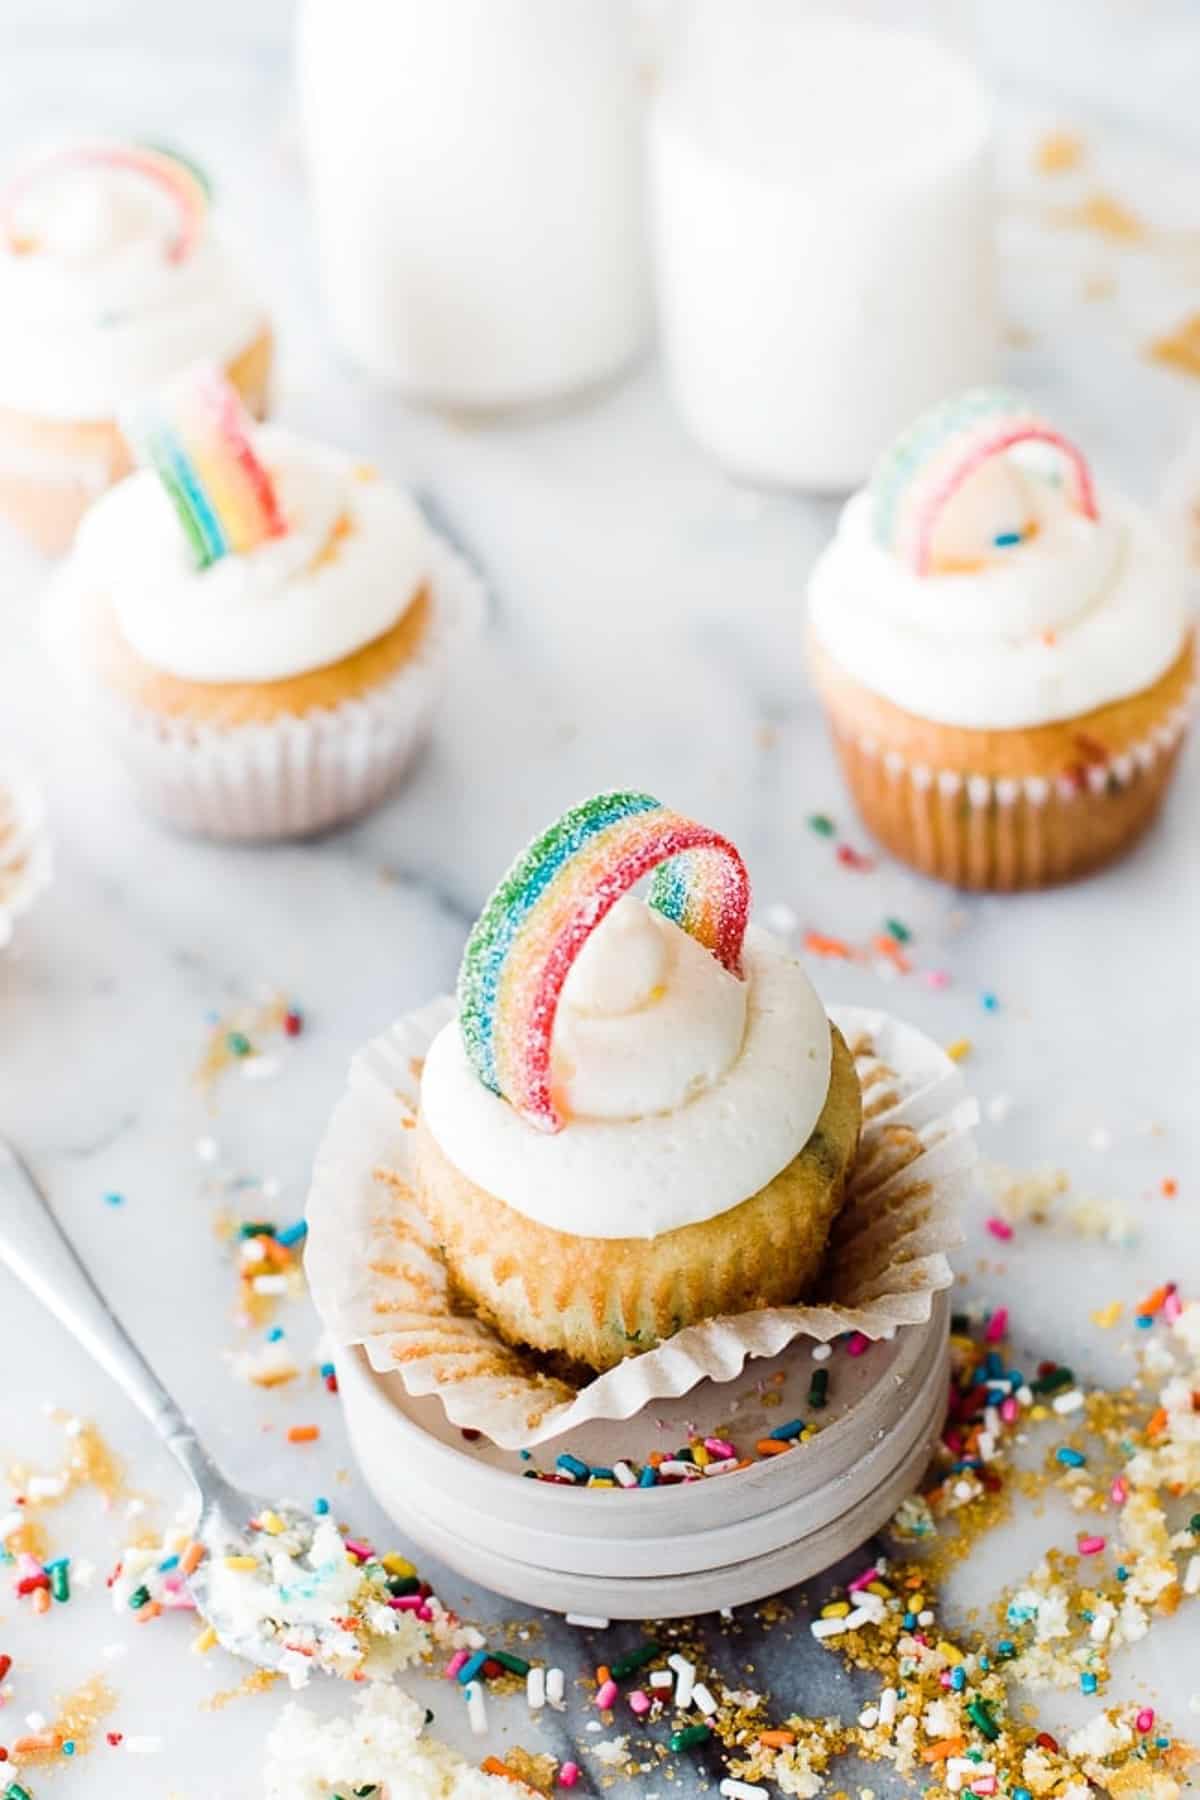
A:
195	435
183	185
551	900
926	467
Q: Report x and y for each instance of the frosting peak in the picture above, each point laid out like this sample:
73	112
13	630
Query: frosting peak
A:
648	1019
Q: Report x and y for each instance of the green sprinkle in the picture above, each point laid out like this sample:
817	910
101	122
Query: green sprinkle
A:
138	1598
690	1738
60	1581
14	1791
1194	1524
255	1228
516	1665
818	1389
977	1712
237	1043
822	824
1053	1380
399	1585
636	1659
895	928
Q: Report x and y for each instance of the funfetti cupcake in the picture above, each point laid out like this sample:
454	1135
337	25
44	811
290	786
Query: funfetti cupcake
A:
1005	651
641	1116
261	625
112	278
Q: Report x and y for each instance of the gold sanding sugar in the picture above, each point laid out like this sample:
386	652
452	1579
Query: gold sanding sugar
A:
1057	152
255	1681
1106	217
238	1036
1179	349
537	1772
78	1716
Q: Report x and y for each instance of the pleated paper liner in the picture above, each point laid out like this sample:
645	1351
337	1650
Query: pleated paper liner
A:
294	775
378	1281
24	847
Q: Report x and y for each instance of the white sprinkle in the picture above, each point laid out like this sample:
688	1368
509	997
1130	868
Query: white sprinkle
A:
473	1639
868	1717
721	1468
827	1628
1191	1579
702	1698
925	1618
36	1721
964	1490
1070	1402
590	1621
143	1746
73	1427
46	1487
864	1614
887	1706
684	1687
624	1475
1025	1394
535	1689
207	1149
476	1708
11	1522
593	1725
555	1688
822	1352
661	1678
270	1284
741	1790
726	1613
259	1068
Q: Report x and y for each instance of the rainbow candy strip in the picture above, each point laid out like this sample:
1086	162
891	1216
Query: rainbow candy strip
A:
925	468
179	179
551	900
195	435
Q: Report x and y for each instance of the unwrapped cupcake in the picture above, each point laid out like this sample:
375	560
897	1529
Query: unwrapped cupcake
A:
1005	651
111	280
261	625
641	1116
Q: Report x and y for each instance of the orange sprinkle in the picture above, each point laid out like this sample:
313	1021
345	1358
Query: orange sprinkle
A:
191	1559
771	1446
41	1600
657	1457
37	1741
1157	1422
303	1434
817	944
887	946
776	1740
603	1674
1153	1303
491	1765
1170	1186
952	1746
144	1614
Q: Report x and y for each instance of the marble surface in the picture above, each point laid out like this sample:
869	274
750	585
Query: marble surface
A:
644	631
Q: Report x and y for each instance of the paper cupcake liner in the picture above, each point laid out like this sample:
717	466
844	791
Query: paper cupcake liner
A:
1008	834
378	1281
24	848
290	776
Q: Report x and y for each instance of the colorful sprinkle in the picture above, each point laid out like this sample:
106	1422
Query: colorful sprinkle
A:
179	179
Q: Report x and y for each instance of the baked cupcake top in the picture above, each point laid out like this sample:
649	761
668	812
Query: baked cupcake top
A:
243	554
981	581
111	278
622	1067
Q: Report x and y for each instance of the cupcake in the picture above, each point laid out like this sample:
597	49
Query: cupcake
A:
261	625
641	1116
111	280
1005	652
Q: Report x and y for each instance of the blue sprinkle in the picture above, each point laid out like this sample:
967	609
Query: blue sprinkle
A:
994	1366
1022	1794
1087	1682
990	1002
571	1465
1016	1377
910	1620
1122	1572
320	1508
526	1455
1004	540
291	1234
1072	1459
792	1429
275	1333
114	1199
648	1477
1143	1321
472	1666
167	1564
59	1562
68	1748
1006	1647
1162	1743
1017	1615
984	1664
326	1370
604	1474
958	1680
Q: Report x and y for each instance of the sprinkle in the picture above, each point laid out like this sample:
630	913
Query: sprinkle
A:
624	1475
827	1628
1000	1228
822	824
690	1737
470	1666
476	1708
555	1688
776	1740
996	1326
1087	1682
980	1716
989	1002
1107	1316
114	1199
741	1790
293	1022
896	929
1071	1402
640	1703
568	1774
857	1344
303	1434
818	1389
516	1665
854	859
606	1695
589	1621
292	1234
535	1689
1071	1459
702	1699
959	1050
684	1686
937	978
1119	1491
818	943
661	1678
634	1660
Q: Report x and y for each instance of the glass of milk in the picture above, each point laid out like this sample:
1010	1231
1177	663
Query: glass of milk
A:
823	226
477	179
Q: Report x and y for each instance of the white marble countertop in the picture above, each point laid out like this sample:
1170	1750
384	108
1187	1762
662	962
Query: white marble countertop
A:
645	632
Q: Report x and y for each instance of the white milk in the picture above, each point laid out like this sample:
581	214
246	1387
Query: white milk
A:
476	175
823	223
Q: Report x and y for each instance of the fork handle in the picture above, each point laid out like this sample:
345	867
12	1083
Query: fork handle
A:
35	1247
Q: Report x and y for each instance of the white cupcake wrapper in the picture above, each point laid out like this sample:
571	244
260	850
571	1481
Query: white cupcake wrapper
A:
378	1281
25	860
291	776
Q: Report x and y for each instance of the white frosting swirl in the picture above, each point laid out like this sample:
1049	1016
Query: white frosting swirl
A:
354	557
93	312
609	1175
1083	614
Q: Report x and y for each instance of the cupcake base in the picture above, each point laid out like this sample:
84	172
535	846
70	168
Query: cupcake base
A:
1008	811
51	470
595	1301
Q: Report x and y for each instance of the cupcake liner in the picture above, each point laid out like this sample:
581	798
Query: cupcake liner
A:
24	848
378	1281
294	775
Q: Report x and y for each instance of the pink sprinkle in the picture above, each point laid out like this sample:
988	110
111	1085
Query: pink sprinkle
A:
406	1603
425	1612
920	1638
1000	1228
568	1775
937	978
28	1565
944	1678
456	1662
176	1600
997	1325
863	1579
720	1448
1119	1490
639	1702
1172	1307
1145	1719
986	1784
356	1547
1008	1409
1091	1546
857	1344
606	1695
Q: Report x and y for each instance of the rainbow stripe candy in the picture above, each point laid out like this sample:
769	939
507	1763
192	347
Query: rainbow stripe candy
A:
925	468
179	179
543	911
195	435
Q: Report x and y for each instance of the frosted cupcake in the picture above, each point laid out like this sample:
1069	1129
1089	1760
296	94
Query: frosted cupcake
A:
641	1117
260	624
111	279
1005	653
